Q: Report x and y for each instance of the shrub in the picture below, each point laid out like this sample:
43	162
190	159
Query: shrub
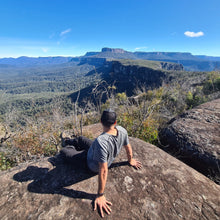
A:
196	98
149	131
189	99
212	84
37	138
121	98
5	162
146	130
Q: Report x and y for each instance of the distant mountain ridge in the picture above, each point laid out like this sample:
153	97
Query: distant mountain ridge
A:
34	61
208	57
189	61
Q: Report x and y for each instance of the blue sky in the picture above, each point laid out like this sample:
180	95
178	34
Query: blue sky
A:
73	27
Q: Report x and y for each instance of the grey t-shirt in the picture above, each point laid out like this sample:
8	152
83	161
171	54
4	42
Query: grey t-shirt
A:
105	148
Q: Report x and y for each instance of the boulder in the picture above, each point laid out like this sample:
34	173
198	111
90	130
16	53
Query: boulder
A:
165	188
196	136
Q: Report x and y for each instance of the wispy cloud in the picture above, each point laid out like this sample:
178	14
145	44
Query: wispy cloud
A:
65	32
140	48
52	36
44	49
194	34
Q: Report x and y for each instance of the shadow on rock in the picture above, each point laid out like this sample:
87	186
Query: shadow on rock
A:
63	174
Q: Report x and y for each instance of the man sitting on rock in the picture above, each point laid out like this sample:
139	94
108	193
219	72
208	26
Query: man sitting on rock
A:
102	152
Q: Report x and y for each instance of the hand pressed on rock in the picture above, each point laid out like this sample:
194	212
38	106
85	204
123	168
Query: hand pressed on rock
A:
102	203
135	163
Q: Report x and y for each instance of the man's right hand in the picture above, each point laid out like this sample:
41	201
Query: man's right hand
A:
135	163
102	203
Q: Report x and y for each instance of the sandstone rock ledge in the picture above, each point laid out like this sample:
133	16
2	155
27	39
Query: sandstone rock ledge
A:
164	189
196	134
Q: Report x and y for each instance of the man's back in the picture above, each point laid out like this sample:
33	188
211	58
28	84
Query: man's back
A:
106	147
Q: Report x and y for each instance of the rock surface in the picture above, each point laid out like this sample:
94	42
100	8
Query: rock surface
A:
165	188
196	134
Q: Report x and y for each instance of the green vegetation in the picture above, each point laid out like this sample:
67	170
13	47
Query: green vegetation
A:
212	84
140	118
141	63
5	162
23	88
202	92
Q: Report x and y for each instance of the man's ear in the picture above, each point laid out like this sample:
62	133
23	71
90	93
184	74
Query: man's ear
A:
115	123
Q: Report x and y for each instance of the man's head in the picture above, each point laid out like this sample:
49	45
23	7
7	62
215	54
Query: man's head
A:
108	118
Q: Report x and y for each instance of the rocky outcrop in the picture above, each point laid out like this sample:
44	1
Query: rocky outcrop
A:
171	66
164	188
196	135
129	77
113	50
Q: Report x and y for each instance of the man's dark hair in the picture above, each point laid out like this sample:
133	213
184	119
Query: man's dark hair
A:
108	118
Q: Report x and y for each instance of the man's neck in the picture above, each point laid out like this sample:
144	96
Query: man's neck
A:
112	130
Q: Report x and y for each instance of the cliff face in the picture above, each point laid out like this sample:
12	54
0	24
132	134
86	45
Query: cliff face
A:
113	50
171	66
165	188
149	74
128	77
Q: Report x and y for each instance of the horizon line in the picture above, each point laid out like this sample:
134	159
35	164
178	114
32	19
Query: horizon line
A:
138	51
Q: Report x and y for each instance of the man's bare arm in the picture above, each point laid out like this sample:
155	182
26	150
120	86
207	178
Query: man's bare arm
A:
100	199
102	178
136	164
129	152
